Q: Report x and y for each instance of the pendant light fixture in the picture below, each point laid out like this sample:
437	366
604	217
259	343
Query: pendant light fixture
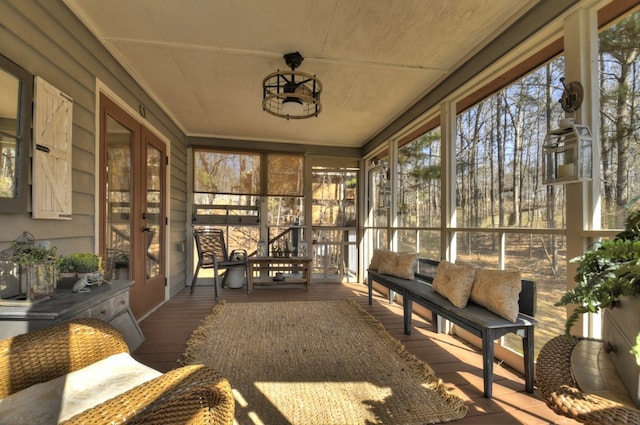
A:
291	94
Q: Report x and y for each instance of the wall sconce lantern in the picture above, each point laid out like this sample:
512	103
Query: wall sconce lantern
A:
567	154
568	150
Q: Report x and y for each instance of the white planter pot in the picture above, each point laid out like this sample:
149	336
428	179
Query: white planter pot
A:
235	278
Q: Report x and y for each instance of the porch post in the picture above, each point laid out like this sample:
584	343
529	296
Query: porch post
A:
581	64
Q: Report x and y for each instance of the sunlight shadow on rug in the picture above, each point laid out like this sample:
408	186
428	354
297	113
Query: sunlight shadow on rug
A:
318	362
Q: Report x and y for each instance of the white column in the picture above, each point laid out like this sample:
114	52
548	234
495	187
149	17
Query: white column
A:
393	202
583	199
448	178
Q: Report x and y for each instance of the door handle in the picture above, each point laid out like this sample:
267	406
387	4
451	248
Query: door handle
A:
146	229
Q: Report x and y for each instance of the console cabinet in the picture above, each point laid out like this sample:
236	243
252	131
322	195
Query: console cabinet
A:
109	302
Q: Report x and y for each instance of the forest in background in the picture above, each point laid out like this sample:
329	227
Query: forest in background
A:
499	157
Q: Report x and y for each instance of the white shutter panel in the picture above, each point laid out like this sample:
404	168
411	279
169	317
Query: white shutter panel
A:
52	122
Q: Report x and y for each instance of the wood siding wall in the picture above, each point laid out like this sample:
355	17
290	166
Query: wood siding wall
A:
47	39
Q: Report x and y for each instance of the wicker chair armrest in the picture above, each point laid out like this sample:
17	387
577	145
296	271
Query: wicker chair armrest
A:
192	394
45	354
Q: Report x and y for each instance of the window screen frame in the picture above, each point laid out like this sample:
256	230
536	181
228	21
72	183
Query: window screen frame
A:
19	203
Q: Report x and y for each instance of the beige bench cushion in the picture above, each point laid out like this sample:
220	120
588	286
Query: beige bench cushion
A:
57	400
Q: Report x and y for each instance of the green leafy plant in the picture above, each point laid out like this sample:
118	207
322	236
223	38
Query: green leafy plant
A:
85	262
28	254
66	264
608	271
635	350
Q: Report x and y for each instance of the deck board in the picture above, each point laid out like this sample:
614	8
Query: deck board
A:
458	364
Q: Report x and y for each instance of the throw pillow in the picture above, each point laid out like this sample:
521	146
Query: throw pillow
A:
378	255
454	282
498	291
402	265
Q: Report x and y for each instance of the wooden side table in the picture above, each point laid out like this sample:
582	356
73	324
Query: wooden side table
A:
262	271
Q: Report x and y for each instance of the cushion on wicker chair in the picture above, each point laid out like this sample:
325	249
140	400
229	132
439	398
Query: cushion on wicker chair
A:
57	400
80	372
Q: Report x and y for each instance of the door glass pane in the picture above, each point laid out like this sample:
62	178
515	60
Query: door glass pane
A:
118	222
153	211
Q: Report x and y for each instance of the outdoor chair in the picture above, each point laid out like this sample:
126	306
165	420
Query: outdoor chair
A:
212	254
81	372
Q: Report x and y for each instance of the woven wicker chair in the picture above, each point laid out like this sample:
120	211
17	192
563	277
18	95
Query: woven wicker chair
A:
561	393
187	395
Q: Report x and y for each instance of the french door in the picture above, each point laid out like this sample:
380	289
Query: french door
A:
132	194
334	209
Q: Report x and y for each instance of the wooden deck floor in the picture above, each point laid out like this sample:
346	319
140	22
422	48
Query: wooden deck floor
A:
459	366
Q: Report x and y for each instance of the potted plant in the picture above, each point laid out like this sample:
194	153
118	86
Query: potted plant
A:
608	277
608	271
87	264
66	267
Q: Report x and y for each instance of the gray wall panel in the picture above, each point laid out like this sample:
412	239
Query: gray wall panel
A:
47	39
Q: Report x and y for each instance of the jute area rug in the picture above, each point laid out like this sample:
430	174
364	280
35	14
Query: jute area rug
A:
318	362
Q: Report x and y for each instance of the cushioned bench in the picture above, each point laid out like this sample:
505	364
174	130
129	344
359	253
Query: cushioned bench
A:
473	318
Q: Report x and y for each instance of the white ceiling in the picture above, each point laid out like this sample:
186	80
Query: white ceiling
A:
203	61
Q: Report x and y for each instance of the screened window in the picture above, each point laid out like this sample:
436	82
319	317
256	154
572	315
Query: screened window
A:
226	187
419	181
226	173
334	196
378	202
285	175
499	170
499	186
619	64
16	93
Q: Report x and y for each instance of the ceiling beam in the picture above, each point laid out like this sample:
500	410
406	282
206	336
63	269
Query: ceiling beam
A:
258	146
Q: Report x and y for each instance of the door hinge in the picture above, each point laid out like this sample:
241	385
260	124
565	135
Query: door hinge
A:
166	281
166	160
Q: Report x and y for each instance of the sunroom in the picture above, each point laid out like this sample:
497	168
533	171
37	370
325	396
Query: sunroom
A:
433	141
